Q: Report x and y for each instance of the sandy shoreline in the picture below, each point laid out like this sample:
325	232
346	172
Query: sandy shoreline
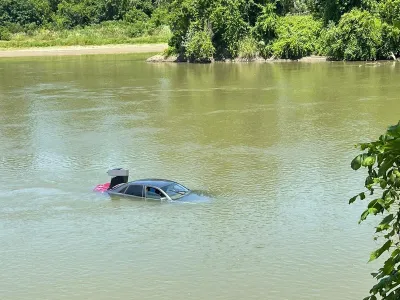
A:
83	50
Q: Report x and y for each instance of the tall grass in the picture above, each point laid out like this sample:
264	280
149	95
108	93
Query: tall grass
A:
99	34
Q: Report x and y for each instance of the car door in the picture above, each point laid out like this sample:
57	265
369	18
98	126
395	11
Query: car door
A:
153	193
135	190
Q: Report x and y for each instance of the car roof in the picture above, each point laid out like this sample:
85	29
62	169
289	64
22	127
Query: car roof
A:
152	182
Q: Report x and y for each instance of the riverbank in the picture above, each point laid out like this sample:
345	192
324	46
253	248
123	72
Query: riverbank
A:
83	50
313	58
159	58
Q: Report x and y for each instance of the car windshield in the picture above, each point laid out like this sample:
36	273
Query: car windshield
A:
175	190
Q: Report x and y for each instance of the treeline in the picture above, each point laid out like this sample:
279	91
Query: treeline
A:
340	29
202	30
136	17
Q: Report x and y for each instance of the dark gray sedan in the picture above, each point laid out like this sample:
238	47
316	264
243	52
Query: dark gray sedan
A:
152	189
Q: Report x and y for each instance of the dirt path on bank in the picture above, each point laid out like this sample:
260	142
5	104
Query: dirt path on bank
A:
83	50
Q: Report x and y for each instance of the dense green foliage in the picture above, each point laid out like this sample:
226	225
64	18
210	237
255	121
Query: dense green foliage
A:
357	36
296	36
203	30
199	47
381	158
360	35
71	13
26	21
340	29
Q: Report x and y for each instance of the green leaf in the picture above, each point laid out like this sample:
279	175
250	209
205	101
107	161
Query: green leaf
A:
377	253
356	162
394	194
392	178
390	234
368	161
369	180
388	266
373	210
372	203
385	224
397	183
383	183
386	164
387	219
396	252
381	202
380	158
364	215
352	200
394	130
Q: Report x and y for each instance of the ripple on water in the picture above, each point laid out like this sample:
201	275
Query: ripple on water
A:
269	155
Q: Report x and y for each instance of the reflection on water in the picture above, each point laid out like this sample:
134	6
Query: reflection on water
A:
269	144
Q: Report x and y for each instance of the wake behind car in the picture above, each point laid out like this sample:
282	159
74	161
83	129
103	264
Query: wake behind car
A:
152	189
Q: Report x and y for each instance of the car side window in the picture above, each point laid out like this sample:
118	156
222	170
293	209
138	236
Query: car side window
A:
153	193
135	190
120	188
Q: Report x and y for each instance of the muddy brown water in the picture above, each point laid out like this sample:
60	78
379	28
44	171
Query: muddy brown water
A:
270	144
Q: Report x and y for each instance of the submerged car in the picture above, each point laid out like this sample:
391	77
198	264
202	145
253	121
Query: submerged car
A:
154	189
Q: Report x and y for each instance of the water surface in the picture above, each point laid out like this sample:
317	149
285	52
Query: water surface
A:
271	143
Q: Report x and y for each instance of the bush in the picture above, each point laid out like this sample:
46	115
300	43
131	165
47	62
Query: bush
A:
356	37
137	29
5	34
31	28
264	50
170	51
13	27
135	15
248	48
198	46
163	31
297	36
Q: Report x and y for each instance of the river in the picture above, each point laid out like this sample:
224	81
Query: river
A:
270	144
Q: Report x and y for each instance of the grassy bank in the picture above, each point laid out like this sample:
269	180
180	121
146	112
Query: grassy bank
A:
99	34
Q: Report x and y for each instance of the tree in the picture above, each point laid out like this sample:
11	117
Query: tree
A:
224	19
229	27
390	12
24	12
381	158
358	36
296	36
332	10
